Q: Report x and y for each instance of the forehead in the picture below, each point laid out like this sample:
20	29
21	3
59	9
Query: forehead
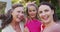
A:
31	7
43	7
19	9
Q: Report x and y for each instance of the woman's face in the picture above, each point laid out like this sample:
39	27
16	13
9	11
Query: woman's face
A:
18	14
45	13
32	11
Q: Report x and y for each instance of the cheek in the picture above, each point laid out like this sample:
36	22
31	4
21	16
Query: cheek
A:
49	13
15	15
29	13
21	15
39	15
35	12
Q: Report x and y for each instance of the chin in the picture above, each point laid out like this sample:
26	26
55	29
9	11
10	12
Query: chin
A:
17	20
45	21
32	16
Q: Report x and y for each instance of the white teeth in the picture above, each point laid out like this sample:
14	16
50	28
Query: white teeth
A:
45	18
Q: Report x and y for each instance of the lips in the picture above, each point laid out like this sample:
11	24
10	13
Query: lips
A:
20	17
45	17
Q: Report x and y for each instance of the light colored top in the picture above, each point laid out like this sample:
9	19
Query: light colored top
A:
10	29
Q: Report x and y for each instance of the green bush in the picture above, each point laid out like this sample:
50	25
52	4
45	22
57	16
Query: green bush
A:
58	13
0	30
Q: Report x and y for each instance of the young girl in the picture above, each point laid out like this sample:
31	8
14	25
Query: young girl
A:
12	22
47	14
32	23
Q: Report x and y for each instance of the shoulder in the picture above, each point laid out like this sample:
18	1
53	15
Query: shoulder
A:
6	29
55	27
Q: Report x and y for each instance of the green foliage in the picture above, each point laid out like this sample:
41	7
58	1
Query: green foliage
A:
0	30
24	1
37	2
55	3
58	13
2	7
14	1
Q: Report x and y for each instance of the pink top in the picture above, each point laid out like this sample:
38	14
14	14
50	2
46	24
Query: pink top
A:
33	25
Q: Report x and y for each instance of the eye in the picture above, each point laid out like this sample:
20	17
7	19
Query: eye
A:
18	11
46	10
30	11
33	10
40	12
23	12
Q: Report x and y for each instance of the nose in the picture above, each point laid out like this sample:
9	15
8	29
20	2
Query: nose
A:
32	12
21	14
43	14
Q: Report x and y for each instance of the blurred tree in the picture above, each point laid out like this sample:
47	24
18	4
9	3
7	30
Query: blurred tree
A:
14	1
24	1
2	7
45	0
56	3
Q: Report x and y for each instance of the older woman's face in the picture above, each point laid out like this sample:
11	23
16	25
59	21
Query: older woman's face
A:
18	14
45	13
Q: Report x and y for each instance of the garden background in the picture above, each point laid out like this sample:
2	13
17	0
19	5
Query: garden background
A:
56	3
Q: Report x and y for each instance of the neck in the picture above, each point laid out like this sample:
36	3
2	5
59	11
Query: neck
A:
32	18
50	24
14	23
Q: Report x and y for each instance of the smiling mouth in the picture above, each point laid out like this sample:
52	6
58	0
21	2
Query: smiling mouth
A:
32	14
20	18
45	18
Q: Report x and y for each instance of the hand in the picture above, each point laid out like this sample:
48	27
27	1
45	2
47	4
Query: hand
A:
26	29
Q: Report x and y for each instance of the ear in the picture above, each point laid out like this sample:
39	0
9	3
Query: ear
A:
52	11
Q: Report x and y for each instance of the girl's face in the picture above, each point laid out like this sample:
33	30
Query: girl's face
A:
45	13
18	14
32	11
